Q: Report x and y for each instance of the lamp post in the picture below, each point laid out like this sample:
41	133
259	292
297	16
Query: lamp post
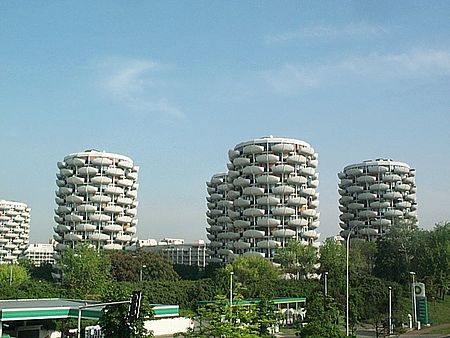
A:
231	287
10	274
140	272
413	296
347	331
390	311
325	281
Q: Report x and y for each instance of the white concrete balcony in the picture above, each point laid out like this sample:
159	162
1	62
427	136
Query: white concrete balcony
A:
241	162
268	244
253	149
283	169
283	233
253	170
85	227
101	180
268	222
102	161
268	179
267	158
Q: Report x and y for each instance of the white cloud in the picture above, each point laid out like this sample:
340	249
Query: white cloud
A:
138	84
415	64
352	30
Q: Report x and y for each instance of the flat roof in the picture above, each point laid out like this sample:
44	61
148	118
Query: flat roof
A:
58	308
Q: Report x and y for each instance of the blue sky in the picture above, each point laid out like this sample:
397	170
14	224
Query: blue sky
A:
175	84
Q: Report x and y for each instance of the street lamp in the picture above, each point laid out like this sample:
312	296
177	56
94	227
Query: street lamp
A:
347	331
413	296
390	310
140	272
231	287
325	281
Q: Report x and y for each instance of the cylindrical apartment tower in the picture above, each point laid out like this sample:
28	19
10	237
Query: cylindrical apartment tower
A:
220	231
272	186
97	200
374	195
14	230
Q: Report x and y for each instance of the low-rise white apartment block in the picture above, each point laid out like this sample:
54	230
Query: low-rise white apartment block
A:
40	254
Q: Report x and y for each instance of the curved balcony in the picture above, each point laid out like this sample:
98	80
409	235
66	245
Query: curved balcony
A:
409	180
113	228
224	204
60	165
307	171
253	191
401	170
267	179
298	222
125	182
392	195
354	189
241	203
253	254
233	174
224	219
380	204
283	190
124	219
102	161
253	212
241	245
354	172
391	178
253	234
72	237
375	169
306	151
267	158
234	214
101	180
63	191
346	216
60	228
124	201
131	193
216	197
403	205
283	148
62	209
283	233
268	222
283	211
86	208
224	187
253	170
297	201
368	214
268	200
367	196
297	180
241	223
241	182
125	164
57	219
309	213
268	244
283	169
308	192
233	194
393	213
228	235
87	171
112	246
114	172
296	159
130	230
99	237
112	190
410	197
232	154
85	227
66	172
75	180
253	149
99	199
314	203
241	162
367	179
379	187
113	209
355	206
60	183
73	218
314	225
402	187
99	218
313	163
310	234
87	190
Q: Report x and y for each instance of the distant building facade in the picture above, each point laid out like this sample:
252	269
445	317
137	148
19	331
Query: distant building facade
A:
375	194
267	197
96	201
14	230
40	254
178	252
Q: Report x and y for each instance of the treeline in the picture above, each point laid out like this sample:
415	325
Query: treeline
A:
299	272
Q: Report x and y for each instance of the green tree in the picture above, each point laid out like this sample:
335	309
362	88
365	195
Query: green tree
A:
13	275
85	272
256	276
128	266
297	259
114	321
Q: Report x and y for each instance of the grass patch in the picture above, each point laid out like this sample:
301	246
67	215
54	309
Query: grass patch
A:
439	311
